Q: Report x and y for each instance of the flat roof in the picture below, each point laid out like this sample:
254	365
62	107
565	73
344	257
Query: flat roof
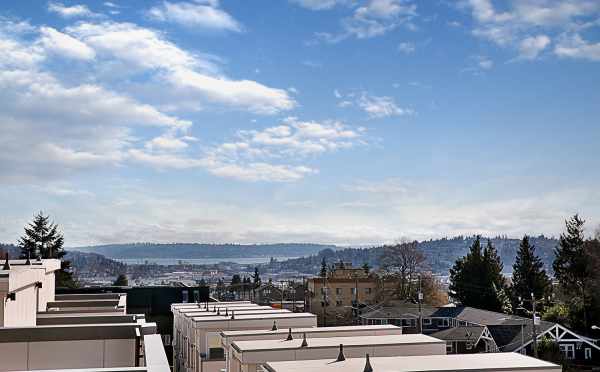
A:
237	312
237	308
439	363
284	331
242	317
334	342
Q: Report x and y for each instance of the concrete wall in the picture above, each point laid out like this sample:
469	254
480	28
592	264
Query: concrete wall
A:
19	356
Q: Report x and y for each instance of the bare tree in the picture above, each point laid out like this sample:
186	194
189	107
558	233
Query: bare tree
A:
406	261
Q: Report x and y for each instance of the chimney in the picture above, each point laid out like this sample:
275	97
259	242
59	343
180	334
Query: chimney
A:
289	336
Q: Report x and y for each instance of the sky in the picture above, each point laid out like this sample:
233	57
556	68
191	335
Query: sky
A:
329	121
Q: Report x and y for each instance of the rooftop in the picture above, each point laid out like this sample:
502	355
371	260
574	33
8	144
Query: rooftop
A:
334	342
455	362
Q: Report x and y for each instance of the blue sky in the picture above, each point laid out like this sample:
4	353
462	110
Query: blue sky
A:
333	121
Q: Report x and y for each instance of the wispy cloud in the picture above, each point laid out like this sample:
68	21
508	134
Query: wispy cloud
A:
204	14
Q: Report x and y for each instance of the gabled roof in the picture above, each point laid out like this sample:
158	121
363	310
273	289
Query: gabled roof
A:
469	333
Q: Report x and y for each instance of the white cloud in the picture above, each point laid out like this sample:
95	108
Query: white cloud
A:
318	4
247	94
519	25
575	47
484	62
406	48
371	19
188	74
381	107
385	187
202	14
70	11
531	47
65	45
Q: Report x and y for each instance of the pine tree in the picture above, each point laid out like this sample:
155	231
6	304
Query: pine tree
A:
121	281
323	272
43	239
476	279
529	275
571	265
256	278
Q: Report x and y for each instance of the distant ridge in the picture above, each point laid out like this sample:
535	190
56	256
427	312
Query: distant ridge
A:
201	250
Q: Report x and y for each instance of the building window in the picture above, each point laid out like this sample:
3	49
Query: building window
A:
449	348
568	350
408	322
353	291
588	353
368	290
426	321
323	290
166	340
338	291
444	322
185	296
469	345
338	303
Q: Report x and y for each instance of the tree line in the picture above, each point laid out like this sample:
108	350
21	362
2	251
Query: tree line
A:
572	299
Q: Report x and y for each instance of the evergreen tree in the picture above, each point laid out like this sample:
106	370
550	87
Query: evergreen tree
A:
323	272
572	267
256	278
121	281
366	268
476	279
43	239
529	275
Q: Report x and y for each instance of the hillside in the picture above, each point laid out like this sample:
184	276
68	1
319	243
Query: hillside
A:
196	250
440	254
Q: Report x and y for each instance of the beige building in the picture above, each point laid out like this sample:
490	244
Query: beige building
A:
248	356
337	298
197	342
44	331
489	362
228	337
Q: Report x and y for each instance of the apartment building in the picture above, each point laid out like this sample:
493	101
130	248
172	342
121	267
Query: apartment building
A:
340	296
41	330
493	362
280	334
248	356
197	342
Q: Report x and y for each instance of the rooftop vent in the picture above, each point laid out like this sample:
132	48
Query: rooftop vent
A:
6	264
341	356
232	315
28	262
304	343
274	328
289	336
227	311
219	311
368	367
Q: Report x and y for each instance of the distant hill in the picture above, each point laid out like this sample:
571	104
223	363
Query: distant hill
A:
441	254
93	264
196	250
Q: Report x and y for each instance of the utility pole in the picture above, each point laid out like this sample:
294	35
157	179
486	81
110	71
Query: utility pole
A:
325	301
420	297
535	350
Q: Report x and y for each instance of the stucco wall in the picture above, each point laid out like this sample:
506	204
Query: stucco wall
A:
67	354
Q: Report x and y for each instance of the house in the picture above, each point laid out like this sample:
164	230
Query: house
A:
470	330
